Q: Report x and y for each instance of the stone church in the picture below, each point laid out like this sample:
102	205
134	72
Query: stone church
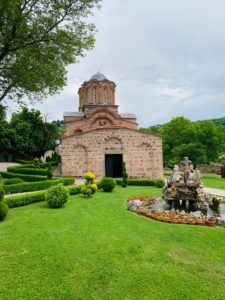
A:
98	137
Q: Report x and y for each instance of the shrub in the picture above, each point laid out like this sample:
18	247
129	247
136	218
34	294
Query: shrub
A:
2	193
21	200
144	182
3	205
90	186
74	190
125	176
56	196
29	171
13	181
28	178
159	183
49	172
107	184
3	210
36	186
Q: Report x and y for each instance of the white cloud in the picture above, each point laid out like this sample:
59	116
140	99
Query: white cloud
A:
166	57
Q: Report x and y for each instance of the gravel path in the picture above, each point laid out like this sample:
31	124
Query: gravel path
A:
4	165
216	192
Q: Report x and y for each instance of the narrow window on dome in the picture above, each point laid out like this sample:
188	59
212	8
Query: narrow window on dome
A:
95	96
105	96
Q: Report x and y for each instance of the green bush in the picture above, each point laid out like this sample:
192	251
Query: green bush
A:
36	186
28	178
159	183
90	186
21	200
107	184
144	182
56	196
98	185
74	190
2	193
30	162
125	176
49	172
28	171
3	210
13	181
3	205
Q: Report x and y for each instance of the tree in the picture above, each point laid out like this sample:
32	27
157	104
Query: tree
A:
32	136
175	133
202	142
38	39
6	134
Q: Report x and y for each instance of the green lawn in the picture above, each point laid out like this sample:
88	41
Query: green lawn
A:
213	181
96	249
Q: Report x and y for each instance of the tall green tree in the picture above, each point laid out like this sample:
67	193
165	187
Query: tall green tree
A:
32	135
38	39
6	133
202	142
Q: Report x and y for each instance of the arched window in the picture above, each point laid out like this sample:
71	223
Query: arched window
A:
95	95
105	95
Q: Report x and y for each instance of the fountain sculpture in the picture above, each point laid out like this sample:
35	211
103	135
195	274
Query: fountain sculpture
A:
187	190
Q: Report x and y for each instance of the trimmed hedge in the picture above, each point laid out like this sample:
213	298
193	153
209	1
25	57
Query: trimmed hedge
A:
22	200
74	190
42	165
29	178
16	201
144	182
36	186
13	181
29	171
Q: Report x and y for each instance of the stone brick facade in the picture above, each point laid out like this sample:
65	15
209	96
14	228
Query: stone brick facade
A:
98	130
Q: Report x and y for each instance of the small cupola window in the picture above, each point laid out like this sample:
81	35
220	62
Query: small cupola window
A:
105	95
95	95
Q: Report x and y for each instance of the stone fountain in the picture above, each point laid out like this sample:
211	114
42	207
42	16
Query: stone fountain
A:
187	191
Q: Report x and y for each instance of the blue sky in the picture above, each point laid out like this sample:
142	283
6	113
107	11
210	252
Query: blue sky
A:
167	58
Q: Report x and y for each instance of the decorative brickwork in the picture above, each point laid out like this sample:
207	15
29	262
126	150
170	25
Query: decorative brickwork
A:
98	130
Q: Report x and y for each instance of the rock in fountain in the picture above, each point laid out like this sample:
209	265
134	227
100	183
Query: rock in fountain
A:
187	189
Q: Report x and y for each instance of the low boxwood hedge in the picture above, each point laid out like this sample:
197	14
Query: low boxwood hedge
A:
22	200
28	178
74	190
16	201
13	181
42	165
36	186
144	182
28	171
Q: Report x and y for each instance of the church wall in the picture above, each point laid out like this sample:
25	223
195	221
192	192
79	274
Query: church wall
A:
101	118
86	152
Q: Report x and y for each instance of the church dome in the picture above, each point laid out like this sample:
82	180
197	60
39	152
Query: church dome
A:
98	76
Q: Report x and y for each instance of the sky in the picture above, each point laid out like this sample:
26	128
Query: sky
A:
167	59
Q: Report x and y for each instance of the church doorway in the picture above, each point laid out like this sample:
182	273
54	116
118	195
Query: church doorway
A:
113	165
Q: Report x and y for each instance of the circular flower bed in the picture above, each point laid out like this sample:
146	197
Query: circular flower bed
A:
169	216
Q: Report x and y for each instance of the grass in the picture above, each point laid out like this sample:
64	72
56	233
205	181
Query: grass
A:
96	249
213	180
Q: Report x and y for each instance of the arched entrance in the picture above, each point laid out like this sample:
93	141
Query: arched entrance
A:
113	151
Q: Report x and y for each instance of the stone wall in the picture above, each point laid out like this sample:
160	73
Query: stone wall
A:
86	152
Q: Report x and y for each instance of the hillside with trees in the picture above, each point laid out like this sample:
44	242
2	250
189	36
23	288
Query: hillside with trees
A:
203	141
